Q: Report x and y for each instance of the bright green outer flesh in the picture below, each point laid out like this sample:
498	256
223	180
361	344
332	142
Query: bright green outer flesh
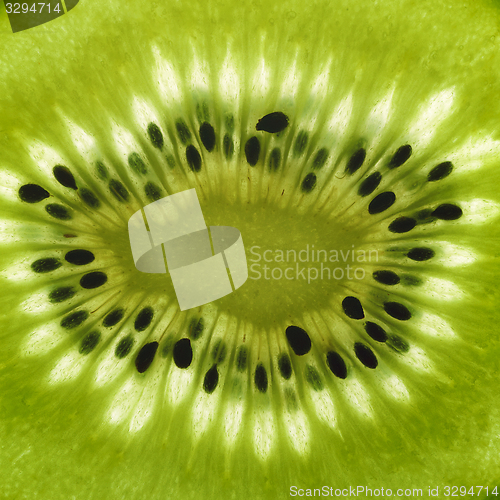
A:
84	70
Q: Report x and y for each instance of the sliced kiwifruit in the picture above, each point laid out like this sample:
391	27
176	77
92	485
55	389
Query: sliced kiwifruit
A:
340	126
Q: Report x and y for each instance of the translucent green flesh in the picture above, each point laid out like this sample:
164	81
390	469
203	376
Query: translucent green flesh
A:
352	75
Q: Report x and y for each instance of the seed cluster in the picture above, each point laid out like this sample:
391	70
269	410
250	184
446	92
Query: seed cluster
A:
129	333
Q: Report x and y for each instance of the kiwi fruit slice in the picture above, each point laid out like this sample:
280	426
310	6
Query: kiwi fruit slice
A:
330	134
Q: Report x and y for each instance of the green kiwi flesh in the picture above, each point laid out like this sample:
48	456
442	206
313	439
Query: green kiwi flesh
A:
384	137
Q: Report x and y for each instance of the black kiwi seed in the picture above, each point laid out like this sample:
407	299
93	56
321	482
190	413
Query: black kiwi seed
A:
207	136
124	347
155	135
143	319
183	131
101	170
313	378
89	342
167	344
58	211
260	378
228	146
356	161
118	190
298	339
353	308
170	160
196	328
61	294
320	159
183	353
219	351
229	122
136	163
381	202
447	211
400	156
285	366
291	399
398	344
93	280
376	332
79	257
300	143
46	265
252	151
386	277
420	254
241	358
113	317
370	184
193	158
145	357
410	280
211	380
274	160
365	355
424	216
402	225
152	191
89	198
202	112
397	311
336	364
273	122
32	193
308	183
74	319
64	176
440	171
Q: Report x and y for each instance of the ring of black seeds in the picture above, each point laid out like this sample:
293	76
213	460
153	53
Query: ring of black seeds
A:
298	339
